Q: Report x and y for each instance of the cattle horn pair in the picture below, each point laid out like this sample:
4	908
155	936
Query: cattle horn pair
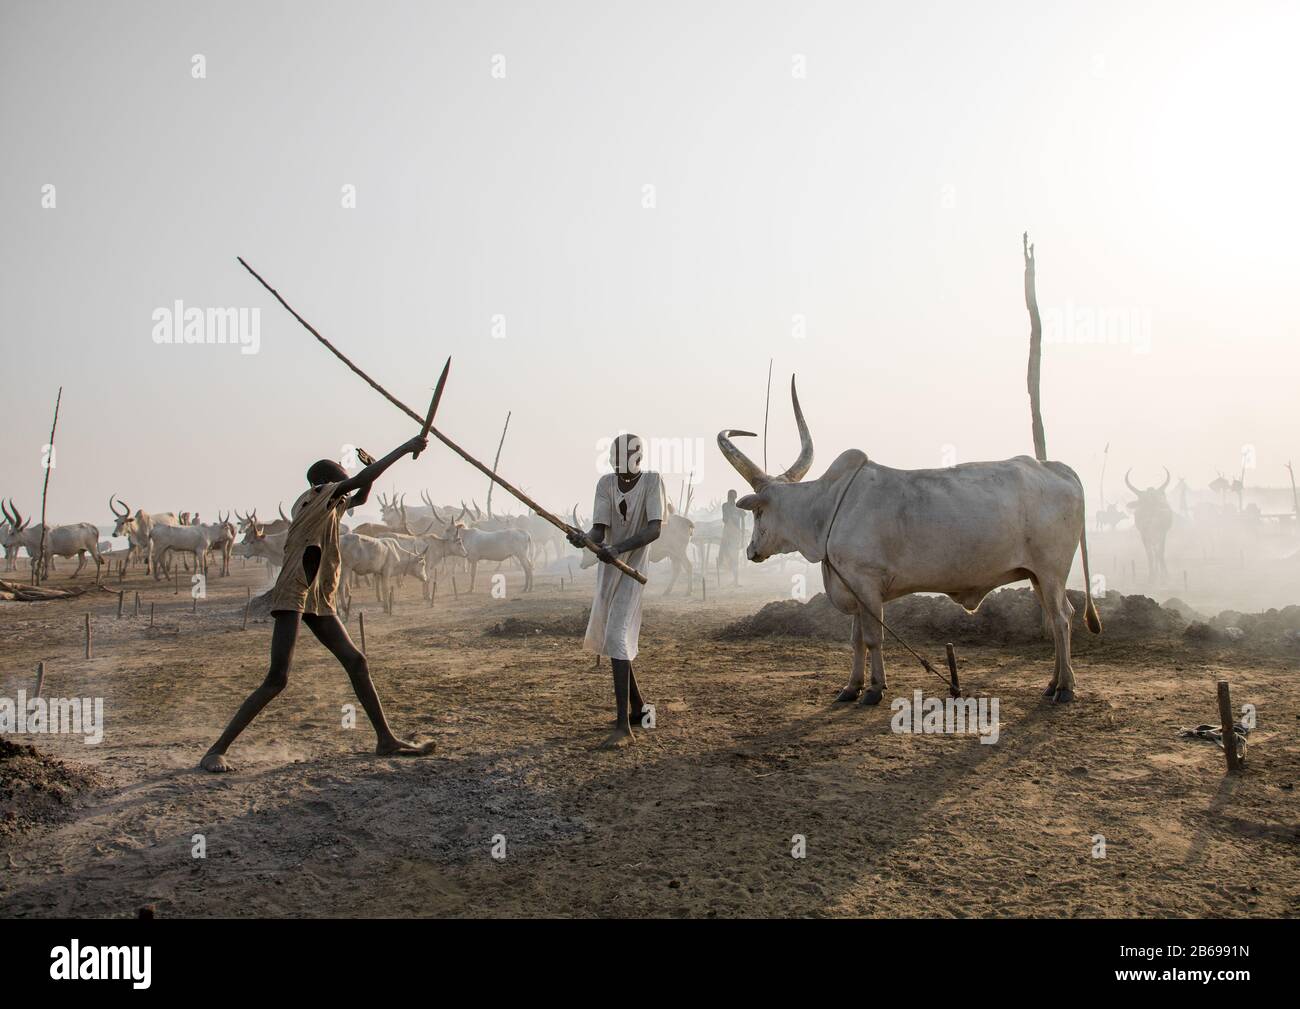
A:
1129	482
752	473
14	516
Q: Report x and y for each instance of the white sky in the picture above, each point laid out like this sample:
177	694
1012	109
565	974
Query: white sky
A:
1149	149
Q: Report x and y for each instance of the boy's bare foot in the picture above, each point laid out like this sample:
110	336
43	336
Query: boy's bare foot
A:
401	748
621	736
635	721
216	763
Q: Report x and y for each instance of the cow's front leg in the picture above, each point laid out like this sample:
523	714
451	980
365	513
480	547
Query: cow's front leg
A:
857	677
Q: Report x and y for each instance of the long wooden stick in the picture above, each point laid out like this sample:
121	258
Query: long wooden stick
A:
497	461
505	484
45	489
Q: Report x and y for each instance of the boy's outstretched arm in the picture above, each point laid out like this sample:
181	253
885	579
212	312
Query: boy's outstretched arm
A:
362	481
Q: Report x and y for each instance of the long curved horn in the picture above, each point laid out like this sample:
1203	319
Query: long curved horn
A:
279	505
8	518
1166	483
17	518
800	467
1129	483
742	463
119	514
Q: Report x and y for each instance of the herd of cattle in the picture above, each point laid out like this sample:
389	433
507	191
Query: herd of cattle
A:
408	542
394	548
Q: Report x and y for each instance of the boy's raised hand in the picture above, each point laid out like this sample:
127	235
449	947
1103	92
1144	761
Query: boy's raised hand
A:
416	445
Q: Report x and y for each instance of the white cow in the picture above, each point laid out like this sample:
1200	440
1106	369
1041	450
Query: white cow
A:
136	528
187	539
494	545
79	538
384	559
881	533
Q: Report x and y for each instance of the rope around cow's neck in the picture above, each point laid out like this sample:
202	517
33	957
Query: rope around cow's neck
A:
826	559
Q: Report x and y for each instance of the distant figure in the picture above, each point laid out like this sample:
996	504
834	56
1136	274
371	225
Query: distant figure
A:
733	532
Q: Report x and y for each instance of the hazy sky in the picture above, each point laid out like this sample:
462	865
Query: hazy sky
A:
839	186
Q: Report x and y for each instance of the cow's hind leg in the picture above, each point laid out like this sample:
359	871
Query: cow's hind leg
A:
1060	611
857	677
872	636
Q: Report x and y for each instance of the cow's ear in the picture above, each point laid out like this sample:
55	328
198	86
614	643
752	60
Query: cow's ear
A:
748	503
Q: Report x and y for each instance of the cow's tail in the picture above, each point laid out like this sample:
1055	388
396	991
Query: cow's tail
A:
1090	616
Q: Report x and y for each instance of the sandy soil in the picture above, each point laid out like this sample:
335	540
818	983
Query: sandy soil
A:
696	819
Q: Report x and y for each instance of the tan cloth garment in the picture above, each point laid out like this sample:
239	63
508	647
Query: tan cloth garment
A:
615	623
315	522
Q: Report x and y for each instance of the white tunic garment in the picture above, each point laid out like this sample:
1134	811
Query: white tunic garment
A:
615	622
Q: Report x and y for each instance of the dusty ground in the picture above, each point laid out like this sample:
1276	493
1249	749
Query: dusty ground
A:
697	819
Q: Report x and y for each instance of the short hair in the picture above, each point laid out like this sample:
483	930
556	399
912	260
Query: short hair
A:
325	471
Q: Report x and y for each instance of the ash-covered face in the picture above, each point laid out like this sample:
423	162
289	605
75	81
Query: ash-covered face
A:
625	455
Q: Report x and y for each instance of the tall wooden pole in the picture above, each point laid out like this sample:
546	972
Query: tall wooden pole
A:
37	577
496	463
767	406
1035	352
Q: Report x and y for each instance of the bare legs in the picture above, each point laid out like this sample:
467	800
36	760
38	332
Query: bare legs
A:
628	702
332	634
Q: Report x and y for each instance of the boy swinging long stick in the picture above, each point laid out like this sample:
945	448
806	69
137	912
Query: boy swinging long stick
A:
305	593
505	484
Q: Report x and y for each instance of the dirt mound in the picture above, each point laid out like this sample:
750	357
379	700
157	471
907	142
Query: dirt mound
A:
1009	616
36	789
571	626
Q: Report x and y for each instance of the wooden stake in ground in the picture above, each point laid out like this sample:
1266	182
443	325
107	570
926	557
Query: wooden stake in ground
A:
40	677
954	684
151	605
505	484
90	651
496	463
361	623
137	604
1035	352
1225	726
121	597
38	572
248	602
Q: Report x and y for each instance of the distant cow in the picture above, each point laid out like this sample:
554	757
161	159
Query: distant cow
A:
1153	518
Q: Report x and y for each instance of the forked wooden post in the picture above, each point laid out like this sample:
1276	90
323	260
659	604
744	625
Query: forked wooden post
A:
1225	725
